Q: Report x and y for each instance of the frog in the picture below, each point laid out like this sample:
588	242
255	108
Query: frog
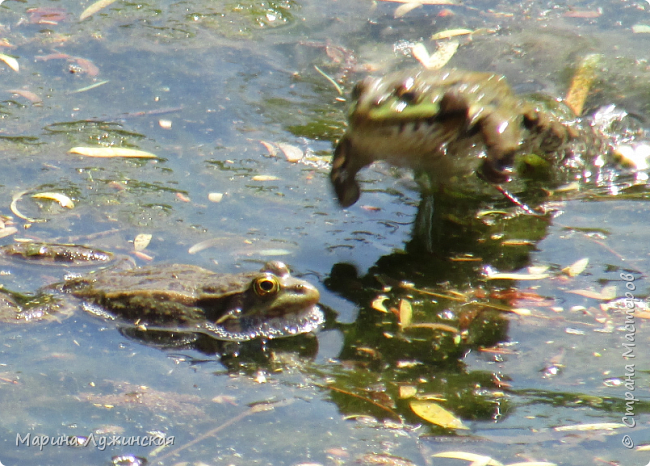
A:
451	125
266	304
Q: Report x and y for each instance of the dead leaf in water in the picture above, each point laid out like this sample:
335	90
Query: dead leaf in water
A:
27	95
108	152
581	83
425	2
405	313
641	29
291	153
10	61
467	456
451	33
606	294
436	414
94	8
439	58
378	303
62	199
215	197
141	241
8	231
406	7
576	268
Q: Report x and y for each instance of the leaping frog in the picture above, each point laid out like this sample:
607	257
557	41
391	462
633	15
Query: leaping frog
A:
449	125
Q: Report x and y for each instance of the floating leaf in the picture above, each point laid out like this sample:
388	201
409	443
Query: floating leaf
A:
607	293
111	152
94	8
516	276
215	197
378	303
581	83
641	29
533	463
141	241
583	13
270	148
29	95
62	199
451	33
436	414
291	153
405	313
467	456
588	427
432	326
208	243
274	252
10	61
8	231
439	58
576	268
406	7
425	2
265	178
407	391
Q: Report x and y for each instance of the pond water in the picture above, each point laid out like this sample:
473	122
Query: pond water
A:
207	87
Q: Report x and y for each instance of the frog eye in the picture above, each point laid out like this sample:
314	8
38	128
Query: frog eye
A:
265	286
405	95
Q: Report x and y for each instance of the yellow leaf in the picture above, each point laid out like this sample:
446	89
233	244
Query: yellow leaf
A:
576	268
467	456
405	313
589	427
407	391
641	29
432	326
581	83
439	58
62	199
8	231
292	153
378	303
607	293
436	414
10	61
111	152
451	33
425	2
141	241
94	8
533	463
27	95
406	7
516	276
215	197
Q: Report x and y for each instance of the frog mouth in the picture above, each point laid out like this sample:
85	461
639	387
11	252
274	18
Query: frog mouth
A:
245	328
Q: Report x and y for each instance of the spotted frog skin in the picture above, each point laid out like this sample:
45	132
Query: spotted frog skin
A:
449	125
186	298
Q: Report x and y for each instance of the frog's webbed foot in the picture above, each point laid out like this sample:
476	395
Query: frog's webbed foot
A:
19	308
343	174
